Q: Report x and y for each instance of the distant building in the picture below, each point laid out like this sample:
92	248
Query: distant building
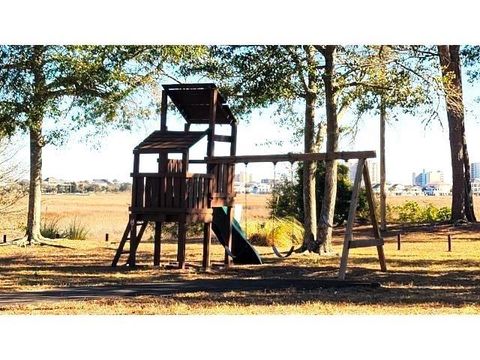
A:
476	186
243	178
426	178
373	170
475	171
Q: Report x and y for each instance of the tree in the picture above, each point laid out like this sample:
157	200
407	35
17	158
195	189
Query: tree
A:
462	199
96	85
283	76
287	196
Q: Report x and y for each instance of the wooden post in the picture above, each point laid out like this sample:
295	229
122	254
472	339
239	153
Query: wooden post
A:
157	243
449	239
163	112
211	123
398	241
211	128
373	216
207	238
182	237
351	218
233	144
228	259
383	194
133	241
4	238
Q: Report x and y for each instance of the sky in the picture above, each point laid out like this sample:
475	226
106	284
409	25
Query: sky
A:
410	147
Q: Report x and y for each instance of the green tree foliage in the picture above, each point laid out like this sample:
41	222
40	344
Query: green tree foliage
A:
287	196
66	88
284	77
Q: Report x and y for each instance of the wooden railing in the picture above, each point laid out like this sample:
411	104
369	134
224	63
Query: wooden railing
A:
171	192
223	178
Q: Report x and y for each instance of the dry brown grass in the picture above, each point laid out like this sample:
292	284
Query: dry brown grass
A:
423	278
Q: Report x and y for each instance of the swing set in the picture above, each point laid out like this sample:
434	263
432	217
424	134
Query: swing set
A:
175	195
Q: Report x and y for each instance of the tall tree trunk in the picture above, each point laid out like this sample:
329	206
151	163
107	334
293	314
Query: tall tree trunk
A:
36	145
462	202
310	145
383	193
309	183
35	193
330	192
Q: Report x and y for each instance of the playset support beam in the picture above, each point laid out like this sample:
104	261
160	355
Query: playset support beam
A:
289	157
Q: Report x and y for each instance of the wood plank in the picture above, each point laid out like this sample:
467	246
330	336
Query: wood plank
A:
365	243
121	245
177	192
207	239
167	210
140	191
148	192
134	244
155	199
229	238
161	190
211	122
351	218
222	138
373	216
291	157
163	111
182	236
133	238
157	243
157	175
169	192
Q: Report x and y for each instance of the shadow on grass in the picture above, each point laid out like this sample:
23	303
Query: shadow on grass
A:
273	283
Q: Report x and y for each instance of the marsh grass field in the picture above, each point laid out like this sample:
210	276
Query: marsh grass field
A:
422	278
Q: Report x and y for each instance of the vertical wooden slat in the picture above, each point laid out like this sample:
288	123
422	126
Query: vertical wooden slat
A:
207	183
176	191
136	167
183	184
163	111
155	184
161	191
228	259
207	238
182	235
168	191
133	239
189	192
373	216
351	218
157	243
148	192
211	123
140	191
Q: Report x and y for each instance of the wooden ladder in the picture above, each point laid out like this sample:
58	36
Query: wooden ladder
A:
127	235
349	243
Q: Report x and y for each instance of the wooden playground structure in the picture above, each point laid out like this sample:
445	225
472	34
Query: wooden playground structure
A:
173	194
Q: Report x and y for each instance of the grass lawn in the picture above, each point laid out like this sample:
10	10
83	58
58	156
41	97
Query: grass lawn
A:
422	278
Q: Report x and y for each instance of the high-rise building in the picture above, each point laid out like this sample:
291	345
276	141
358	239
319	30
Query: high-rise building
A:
475	171
373	170
428	178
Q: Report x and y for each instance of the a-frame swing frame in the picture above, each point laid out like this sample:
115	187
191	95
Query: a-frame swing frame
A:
349	242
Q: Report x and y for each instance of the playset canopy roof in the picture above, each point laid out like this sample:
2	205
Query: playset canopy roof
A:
170	140
193	102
